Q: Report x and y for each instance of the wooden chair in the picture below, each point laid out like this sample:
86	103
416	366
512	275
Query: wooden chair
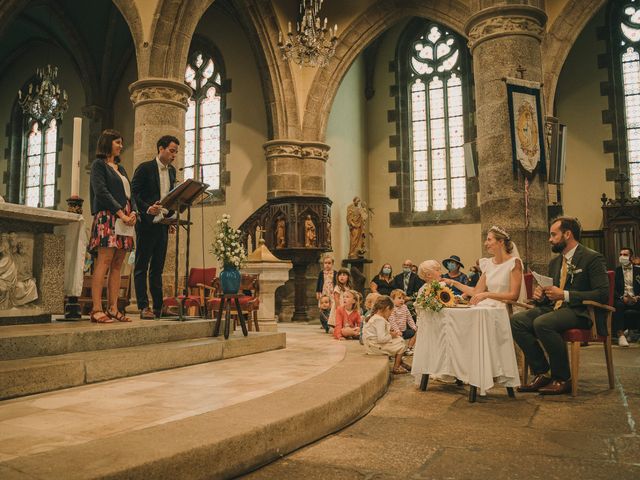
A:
199	288
576	336
124	293
249	300
522	361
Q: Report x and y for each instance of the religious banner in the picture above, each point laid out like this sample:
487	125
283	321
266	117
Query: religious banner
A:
527	131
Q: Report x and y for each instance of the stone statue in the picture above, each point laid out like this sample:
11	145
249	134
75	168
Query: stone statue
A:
309	232
357	220
17	286
281	233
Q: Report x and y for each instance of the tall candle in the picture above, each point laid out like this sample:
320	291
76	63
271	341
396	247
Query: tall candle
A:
75	156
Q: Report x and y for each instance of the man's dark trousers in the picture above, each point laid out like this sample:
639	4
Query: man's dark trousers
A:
546	323
151	250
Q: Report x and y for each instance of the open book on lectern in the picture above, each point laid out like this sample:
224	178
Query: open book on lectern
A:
188	193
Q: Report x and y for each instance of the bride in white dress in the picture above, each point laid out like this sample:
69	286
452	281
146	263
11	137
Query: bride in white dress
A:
502	275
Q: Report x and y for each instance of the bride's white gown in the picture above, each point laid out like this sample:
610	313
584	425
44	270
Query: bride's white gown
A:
498	277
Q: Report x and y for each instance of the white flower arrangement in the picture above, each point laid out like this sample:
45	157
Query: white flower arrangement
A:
227	246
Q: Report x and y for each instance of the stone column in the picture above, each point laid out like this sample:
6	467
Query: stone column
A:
159	109
159	106
504	39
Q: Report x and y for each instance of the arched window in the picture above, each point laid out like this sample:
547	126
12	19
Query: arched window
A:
628	56
204	139
433	107
437	130
39	163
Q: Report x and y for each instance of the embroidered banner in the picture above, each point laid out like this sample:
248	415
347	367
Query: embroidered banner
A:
527	131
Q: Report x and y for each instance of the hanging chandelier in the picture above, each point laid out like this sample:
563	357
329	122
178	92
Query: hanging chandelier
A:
45	101
312	44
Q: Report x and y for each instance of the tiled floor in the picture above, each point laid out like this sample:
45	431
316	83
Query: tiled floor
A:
47	421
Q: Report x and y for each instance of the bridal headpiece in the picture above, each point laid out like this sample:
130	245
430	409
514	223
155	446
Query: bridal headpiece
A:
501	231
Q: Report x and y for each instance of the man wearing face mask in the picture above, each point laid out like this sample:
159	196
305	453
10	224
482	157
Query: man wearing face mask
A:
407	281
453	266
627	296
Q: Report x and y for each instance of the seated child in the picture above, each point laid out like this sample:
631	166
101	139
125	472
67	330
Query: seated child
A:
368	305
379	339
348	317
402	321
325	310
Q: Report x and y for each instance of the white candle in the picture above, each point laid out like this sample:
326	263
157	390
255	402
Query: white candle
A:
75	156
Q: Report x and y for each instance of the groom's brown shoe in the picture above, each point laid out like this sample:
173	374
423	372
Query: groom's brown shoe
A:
147	314
538	382
557	387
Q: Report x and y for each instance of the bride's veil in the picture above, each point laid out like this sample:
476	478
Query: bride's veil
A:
522	298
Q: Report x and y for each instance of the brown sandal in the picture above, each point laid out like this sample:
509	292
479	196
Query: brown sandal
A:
118	316
400	371
105	318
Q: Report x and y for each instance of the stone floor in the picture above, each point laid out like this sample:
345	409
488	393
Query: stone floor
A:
439	435
48	421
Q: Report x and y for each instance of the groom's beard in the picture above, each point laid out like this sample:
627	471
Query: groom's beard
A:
559	247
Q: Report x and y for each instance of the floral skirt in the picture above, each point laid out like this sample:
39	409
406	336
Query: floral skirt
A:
103	232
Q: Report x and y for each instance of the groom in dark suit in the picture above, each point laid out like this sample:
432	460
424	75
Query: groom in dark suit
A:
579	274
152	180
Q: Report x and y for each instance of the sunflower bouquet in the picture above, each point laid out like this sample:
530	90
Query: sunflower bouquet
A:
435	296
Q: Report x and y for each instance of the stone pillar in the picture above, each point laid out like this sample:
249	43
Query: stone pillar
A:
98	117
159	106
295	168
504	39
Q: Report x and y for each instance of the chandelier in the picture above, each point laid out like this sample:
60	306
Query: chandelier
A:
45	101
312	44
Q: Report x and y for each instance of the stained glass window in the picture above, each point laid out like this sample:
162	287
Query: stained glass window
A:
40	165
436	110
203	121
630	68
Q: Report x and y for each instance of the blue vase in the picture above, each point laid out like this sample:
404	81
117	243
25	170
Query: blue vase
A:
230	280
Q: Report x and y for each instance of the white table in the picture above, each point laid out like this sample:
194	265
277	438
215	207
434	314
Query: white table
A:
473	345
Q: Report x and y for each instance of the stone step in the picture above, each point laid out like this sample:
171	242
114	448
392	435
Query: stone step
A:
61	338
27	376
226	442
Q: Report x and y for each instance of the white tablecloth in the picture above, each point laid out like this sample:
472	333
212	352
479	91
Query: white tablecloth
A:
75	245
472	344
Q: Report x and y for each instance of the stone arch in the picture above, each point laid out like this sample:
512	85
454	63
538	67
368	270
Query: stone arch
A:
169	47
559	40
360	33
129	12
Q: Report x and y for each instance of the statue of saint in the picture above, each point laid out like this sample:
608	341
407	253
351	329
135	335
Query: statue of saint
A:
17	286
357	221
281	233
309	232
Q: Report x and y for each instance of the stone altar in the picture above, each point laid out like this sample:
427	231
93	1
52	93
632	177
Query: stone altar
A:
50	242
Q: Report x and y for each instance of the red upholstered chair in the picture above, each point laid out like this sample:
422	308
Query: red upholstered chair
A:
199	288
575	336
249	299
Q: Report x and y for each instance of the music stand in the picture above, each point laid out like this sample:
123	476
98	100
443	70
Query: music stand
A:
181	198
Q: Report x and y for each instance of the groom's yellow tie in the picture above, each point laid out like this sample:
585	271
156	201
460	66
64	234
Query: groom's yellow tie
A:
563	281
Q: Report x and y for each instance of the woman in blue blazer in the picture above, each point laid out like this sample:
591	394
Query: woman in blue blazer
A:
114	216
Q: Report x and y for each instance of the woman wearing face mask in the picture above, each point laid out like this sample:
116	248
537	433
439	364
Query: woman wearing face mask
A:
453	266
381	283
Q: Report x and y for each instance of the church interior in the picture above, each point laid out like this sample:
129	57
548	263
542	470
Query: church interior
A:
397	139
